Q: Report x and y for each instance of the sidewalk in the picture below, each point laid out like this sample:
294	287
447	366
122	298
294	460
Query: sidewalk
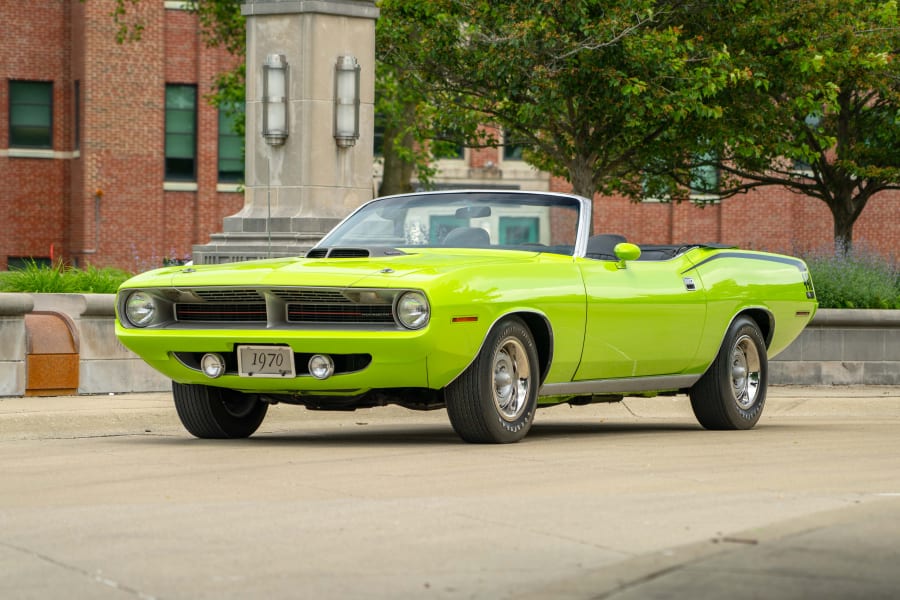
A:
611	501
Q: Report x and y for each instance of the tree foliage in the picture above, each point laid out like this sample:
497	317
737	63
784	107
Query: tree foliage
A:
820	115
417	127
587	85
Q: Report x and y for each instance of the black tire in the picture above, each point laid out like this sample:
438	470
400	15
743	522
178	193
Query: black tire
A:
215	413
494	400
732	392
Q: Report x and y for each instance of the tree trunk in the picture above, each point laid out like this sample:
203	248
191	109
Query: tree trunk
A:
581	176
845	209
399	165
843	237
394	179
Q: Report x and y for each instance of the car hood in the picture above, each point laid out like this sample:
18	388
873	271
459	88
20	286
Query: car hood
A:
391	271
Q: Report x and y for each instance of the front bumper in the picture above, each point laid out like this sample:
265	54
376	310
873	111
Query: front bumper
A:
378	360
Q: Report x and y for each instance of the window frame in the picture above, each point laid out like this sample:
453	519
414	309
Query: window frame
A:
229	114
170	173
11	143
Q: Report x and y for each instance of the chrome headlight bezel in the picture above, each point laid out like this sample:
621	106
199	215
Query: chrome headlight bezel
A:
411	310
140	309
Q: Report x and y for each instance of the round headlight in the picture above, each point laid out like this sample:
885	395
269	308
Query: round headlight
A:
140	309
412	310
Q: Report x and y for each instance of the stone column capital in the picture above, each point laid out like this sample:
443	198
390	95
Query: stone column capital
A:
363	9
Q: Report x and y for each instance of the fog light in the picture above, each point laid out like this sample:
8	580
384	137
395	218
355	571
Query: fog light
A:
212	365
321	366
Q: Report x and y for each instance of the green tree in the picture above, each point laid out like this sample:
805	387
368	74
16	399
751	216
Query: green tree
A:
588	86
419	126
821	114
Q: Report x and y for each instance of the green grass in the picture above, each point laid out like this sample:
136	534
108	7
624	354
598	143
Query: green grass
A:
857	281
62	279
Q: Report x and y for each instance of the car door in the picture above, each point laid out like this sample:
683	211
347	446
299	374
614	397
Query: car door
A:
645	318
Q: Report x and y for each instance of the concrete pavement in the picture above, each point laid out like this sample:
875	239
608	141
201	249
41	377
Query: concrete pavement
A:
108	497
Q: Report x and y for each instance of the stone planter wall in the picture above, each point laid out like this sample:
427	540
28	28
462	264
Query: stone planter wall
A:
840	347
104	364
843	347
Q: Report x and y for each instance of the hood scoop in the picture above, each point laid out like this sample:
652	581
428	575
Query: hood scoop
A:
352	252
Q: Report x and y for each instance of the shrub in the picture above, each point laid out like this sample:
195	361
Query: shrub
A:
61	279
856	281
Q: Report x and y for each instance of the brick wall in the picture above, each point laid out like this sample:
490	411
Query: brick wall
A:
770	219
104	203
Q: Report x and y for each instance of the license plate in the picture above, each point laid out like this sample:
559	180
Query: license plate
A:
265	361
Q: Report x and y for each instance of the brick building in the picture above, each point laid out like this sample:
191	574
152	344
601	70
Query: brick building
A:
110	154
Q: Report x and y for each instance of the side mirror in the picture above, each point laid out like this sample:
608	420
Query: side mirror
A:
625	252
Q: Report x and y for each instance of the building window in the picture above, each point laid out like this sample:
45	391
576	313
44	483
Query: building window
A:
231	144
512	148
31	114
181	133
519	230
705	180
23	263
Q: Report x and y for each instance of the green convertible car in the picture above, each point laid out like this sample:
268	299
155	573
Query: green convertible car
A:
490	304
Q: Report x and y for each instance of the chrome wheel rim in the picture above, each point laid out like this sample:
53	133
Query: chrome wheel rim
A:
511	378
745	372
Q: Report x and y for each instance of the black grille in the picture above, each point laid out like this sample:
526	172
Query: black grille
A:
311	295
338	253
213	295
348	253
287	305
221	312
339	313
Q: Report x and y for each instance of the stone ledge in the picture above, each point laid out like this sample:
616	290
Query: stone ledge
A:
856	317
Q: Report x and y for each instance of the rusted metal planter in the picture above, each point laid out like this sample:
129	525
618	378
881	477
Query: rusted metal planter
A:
51	360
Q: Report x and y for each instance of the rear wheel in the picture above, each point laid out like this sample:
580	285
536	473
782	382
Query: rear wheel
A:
732	393
209	412
494	400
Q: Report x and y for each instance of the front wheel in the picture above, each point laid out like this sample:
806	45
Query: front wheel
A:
732	393
494	400
216	413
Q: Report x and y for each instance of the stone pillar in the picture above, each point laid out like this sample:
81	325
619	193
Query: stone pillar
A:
296	192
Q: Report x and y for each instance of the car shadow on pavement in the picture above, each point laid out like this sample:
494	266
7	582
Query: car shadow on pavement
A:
431	434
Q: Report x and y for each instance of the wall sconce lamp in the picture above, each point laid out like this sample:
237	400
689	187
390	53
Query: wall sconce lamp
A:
275	102
346	101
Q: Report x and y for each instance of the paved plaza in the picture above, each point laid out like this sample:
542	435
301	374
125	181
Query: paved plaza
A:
108	497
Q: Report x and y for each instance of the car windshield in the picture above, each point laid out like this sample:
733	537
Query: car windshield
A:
497	220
